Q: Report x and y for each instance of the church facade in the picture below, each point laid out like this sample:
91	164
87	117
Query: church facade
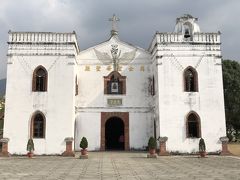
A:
115	94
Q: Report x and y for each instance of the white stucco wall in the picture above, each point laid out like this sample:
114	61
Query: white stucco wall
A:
140	129
88	125
91	100
175	104
57	103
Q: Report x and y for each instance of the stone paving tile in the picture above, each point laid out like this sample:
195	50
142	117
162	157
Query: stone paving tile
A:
119	165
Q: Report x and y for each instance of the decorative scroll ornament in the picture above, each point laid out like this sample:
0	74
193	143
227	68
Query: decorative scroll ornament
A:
117	57
179	66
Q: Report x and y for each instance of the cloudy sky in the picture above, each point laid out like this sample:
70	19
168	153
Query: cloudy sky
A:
139	20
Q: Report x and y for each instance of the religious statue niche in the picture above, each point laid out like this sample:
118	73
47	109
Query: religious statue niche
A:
114	83
114	86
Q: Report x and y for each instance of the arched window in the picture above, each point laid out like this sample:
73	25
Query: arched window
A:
114	83
39	79
1	123
190	80
153	86
76	86
154	126
38	125
193	127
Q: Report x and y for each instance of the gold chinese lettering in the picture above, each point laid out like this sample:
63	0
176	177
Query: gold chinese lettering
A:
87	68
98	68
109	68
142	68
114	102
130	68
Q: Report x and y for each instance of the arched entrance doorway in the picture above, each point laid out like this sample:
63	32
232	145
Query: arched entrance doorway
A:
114	134
107	120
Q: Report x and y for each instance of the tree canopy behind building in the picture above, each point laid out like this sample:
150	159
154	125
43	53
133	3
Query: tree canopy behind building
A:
231	83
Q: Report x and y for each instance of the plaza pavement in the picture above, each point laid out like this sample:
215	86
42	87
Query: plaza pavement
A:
119	165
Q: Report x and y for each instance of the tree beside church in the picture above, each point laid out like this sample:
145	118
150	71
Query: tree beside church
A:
231	84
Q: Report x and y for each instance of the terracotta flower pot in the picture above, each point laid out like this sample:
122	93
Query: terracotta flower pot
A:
202	154
152	151
84	152
30	154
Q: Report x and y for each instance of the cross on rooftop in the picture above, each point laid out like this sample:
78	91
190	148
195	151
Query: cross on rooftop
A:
114	20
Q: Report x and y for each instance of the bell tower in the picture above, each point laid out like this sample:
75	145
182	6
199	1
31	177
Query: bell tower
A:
187	25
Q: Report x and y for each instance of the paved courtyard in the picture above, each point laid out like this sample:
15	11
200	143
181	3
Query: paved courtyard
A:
120	165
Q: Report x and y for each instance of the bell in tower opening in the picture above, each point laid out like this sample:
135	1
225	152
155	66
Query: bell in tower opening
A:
187	25
187	31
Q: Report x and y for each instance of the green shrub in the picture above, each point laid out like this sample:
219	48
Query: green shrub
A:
84	143
237	136
30	145
152	143
202	146
230	137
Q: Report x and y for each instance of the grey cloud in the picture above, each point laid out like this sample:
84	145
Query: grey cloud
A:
138	20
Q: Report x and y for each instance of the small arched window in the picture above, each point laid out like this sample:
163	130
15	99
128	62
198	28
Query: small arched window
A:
193	127
153	86
38	125
76	86
190	80
39	79
1	122
155	129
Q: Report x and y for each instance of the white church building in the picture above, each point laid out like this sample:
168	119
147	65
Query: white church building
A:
115	94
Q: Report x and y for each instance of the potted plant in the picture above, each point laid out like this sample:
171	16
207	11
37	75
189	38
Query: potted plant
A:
84	145
202	148
30	148
152	144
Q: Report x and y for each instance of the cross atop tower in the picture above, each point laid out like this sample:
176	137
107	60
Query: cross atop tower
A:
114	20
